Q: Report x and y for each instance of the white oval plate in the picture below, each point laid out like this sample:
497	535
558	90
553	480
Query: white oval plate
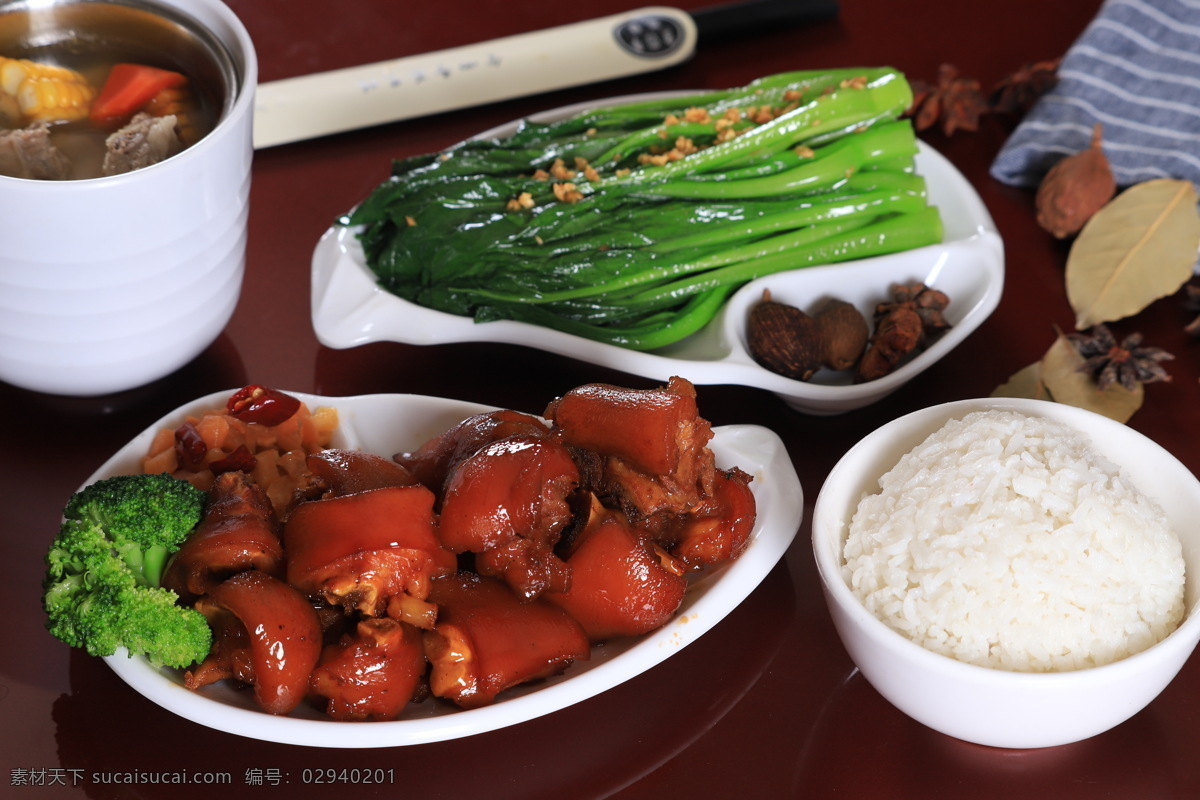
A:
389	423
349	308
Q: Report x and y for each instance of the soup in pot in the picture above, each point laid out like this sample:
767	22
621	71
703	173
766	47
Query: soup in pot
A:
92	89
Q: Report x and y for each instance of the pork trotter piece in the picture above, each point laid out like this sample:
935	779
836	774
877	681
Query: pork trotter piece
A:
434	462
509	503
266	634
719	528
622	583
238	533
373	551
488	640
341	472
653	444
372	673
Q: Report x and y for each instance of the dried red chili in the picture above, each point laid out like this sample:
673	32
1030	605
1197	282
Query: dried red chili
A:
261	405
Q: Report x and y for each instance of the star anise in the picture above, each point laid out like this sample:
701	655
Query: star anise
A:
956	102
1017	93
1129	363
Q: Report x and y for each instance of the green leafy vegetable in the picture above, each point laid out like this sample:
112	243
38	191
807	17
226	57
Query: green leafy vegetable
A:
632	224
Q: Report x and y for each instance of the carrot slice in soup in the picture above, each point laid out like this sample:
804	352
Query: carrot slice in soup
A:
128	88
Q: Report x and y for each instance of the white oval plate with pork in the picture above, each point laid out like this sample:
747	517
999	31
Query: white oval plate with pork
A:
389	423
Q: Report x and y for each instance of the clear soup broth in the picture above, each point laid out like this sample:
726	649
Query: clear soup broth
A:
88	38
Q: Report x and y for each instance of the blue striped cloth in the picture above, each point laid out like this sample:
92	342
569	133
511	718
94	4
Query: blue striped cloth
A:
1135	70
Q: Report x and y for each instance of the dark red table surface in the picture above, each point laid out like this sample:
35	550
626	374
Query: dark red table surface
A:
765	705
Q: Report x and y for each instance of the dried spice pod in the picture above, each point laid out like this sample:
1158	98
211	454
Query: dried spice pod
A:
897	334
1075	188
929	303
844	333
783	338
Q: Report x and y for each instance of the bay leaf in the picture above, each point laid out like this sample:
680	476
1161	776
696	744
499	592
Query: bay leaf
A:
1139	247
1025	383
1066	384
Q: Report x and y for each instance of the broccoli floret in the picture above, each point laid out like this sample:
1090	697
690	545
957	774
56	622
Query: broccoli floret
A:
147	517
101	589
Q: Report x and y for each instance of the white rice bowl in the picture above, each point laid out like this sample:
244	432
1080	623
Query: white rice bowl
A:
1007	541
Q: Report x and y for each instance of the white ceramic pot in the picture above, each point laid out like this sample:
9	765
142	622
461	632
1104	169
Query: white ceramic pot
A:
110	283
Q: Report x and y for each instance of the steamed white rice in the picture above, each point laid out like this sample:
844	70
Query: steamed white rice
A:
1007	541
